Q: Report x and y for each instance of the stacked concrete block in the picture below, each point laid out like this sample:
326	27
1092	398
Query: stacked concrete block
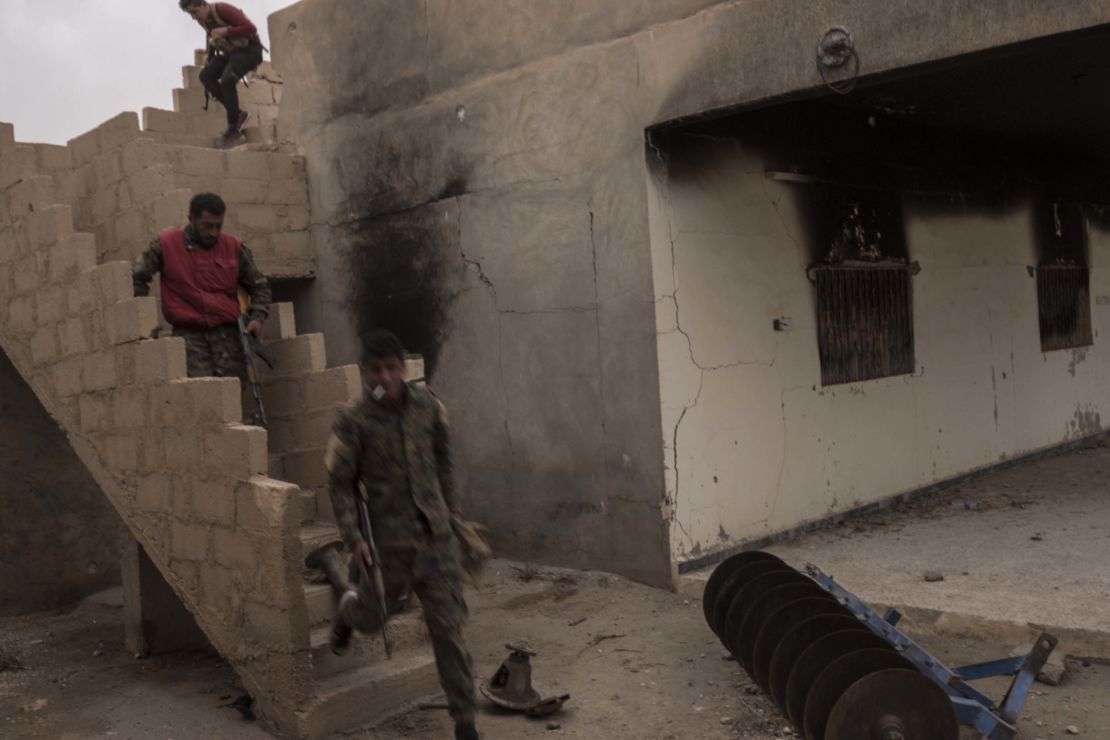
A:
127	195
169	452
259	94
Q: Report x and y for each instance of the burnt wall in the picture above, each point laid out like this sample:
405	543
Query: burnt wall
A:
58	533
478	182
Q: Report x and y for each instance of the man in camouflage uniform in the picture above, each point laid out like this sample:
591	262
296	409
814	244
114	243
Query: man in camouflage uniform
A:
394	443
202	269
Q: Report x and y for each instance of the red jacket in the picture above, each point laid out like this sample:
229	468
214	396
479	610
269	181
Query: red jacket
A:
239	25
199	286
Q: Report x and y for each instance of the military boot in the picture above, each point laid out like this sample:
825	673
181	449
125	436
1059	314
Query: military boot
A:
466	731
330	560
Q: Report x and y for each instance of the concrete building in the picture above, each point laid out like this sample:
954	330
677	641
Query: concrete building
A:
605	225
678	293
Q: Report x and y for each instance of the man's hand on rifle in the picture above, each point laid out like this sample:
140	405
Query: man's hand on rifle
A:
254	328
363	559
219	33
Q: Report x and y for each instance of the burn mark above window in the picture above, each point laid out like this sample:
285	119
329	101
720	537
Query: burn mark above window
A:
861	224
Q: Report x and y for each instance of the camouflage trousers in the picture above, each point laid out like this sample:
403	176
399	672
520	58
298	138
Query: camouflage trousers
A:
432	571
214	353
218	353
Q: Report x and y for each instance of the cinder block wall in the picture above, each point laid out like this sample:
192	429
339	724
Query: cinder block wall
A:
187	478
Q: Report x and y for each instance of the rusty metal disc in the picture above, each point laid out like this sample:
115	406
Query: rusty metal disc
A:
761	610
893	703
795	642
837	677
729	566
815	658
747	597
777	625
737	582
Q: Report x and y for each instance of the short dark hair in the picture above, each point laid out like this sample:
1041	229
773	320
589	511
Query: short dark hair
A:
207	203
186	4
378	344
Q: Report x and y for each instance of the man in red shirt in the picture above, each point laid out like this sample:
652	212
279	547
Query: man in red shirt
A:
202	269
234	50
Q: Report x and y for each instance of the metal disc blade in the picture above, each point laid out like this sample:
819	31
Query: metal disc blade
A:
768	604
837	677
795	642
747	597
729	566
897	699
736	580
781	622
816	658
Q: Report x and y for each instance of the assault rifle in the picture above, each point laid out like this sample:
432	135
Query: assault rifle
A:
251	350
375	567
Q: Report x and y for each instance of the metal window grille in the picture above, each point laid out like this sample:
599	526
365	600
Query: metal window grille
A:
1064	305
864	322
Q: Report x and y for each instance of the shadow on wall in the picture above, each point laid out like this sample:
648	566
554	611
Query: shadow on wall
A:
59	536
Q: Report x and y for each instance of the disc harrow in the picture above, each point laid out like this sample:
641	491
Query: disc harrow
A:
839	671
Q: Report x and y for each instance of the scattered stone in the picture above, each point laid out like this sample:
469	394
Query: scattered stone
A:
553	725
726	720
1037	537
1072	730
933	576
727	657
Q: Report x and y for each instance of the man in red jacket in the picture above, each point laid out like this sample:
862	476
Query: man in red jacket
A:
202	269
234	49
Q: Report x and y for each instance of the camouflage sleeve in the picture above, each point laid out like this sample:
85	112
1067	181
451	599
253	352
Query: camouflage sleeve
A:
256	285
146	266
443	459
341	460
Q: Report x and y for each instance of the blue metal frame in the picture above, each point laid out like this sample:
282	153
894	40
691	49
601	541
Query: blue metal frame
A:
973	708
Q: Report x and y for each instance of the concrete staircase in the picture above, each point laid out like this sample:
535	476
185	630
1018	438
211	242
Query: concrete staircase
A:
223	510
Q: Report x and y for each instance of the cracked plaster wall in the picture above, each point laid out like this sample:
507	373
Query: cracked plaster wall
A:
477	181
755	445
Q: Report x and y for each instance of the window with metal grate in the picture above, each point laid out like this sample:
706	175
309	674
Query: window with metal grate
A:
864	321
1064	306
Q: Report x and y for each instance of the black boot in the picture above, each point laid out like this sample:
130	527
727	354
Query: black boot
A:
340	638
466	732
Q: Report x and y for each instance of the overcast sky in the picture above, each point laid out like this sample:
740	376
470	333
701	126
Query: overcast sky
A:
68	65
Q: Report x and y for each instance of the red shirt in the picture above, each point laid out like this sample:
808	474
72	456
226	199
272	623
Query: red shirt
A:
200	286
239	25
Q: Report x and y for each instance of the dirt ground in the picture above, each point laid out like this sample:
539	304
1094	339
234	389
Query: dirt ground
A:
1029	546
637	662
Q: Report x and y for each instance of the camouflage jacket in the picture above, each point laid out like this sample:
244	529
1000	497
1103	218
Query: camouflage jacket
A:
401	456
149	263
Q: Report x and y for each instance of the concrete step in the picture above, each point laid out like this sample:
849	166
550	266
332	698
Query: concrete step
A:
407	633
370	695
308	506
321	601
324	512
317	534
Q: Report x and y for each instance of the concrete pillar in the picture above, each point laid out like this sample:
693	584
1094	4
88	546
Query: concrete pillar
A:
155	621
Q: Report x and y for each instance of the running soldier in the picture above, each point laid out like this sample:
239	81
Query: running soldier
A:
391	449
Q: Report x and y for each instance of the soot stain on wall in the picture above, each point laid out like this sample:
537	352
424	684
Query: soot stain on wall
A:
397	280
